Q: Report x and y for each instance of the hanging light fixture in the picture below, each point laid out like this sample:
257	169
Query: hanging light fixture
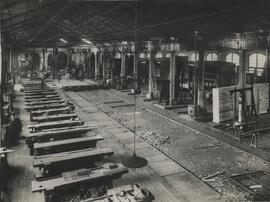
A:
134	161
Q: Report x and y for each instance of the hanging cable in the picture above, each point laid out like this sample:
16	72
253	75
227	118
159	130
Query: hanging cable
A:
135	41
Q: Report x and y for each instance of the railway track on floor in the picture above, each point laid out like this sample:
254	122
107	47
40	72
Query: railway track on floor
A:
201	131
108	114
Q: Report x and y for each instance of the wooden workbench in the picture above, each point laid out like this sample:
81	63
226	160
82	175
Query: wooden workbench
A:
55	164
71	181
48	106
29	97
43	99
66	145
61	133
51	111
45	102
58	117
54	124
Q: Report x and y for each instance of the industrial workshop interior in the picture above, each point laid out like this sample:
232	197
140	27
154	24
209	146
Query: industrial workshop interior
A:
134	100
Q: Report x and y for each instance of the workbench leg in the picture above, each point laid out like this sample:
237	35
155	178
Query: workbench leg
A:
254	142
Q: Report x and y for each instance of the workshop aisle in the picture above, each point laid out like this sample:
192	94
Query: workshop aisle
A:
167	180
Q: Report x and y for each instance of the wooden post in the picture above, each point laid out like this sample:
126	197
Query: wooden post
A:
201	92
172	78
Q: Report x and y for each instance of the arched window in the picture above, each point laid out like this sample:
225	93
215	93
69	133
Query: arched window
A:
256	62
194	57
142	55
159	55
212	57
234	58
181	54
117	56
168	55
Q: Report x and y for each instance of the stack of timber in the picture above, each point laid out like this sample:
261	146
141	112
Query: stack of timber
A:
261	96
222	104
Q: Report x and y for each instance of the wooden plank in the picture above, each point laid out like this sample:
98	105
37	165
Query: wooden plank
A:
40	93
66	145
81	176
43	99
33	91
123	105
48	106
26	98
115	101
57	117
51	111
5	150
45	102
55	124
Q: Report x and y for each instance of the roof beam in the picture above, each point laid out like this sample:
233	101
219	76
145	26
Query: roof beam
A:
54	19
6	6
27	12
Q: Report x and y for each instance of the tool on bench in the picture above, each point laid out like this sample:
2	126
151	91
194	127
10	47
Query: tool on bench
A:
71	181
124	194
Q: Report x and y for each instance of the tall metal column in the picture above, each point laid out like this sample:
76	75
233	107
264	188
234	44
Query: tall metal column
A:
96	66
172	78
201	92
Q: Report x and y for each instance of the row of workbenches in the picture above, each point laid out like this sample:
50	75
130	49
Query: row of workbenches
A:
66	159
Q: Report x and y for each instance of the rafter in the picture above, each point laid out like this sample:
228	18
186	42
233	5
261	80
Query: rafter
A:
53	20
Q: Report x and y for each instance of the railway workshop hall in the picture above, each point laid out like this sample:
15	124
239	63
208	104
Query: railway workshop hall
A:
134	100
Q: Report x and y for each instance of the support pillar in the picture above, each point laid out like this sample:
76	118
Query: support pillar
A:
96	66
123	69
201	70
112	67
104	63
268	74
172	78
135	72
242	84
151	74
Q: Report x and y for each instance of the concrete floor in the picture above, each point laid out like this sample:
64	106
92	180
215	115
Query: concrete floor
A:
196	150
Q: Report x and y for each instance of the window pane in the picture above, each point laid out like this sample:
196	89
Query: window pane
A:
261	60
182	54
192	57
234	58
257	60
212	57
